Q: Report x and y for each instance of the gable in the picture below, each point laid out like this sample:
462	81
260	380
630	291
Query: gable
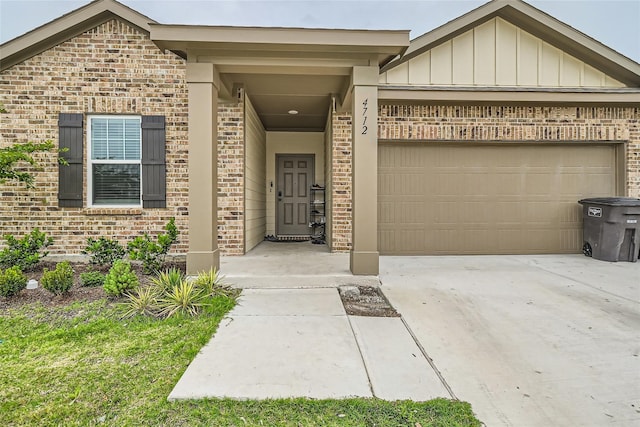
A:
68	26
497	53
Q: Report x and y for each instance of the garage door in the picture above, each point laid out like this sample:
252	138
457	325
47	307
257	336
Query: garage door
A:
508	199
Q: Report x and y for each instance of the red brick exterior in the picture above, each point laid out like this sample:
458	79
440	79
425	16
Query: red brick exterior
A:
112	68
341	183
231	155
116	69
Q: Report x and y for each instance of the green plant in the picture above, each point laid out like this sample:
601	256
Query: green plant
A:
152	254
12	281
183	299
120	279
58	281
26	252
12	156
92	278
168	279
142	301
212	283
104	251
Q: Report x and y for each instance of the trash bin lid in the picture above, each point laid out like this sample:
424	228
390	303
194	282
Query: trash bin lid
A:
611	201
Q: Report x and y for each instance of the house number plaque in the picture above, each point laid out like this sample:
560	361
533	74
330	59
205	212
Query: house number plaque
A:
364	116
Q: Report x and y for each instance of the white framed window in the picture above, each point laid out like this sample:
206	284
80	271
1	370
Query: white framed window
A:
114	165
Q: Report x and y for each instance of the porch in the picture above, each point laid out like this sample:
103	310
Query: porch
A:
291	265
284	83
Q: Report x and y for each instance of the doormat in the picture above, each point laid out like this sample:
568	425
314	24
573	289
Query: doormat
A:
272	238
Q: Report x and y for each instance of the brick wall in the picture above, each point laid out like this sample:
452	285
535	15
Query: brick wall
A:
112	68
341	183
517	123
231	154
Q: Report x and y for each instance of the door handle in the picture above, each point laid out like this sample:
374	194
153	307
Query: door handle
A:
279	196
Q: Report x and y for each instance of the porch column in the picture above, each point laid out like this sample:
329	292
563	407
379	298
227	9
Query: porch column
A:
364	238
203	84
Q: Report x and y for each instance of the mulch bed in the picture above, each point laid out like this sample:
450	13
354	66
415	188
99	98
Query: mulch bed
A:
76	293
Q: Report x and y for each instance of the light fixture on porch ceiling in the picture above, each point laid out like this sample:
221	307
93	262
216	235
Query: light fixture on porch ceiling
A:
293	112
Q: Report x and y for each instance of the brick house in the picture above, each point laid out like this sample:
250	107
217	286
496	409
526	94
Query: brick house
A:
475	138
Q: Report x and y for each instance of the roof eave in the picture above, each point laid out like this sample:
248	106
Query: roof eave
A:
383	44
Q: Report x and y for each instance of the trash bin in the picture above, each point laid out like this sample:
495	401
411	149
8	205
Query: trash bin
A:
611	227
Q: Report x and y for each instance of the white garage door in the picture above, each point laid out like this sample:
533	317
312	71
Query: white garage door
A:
488	199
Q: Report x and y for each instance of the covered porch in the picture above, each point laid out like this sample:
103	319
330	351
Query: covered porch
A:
308	105
291	265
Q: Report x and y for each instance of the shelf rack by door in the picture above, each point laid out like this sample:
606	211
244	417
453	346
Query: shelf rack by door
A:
317	217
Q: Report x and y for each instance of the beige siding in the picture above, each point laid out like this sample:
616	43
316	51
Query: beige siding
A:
255	162
441	64
497	53
506	54
290	143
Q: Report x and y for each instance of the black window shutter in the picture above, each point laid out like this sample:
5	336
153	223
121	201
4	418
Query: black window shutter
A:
70	175
154	187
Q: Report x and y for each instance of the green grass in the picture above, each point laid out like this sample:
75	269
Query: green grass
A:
83	365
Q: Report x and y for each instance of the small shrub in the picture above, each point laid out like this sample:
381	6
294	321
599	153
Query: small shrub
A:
26	252
120	279
12	281
183	299
104	251
212	283
168	279
142	301
58	281
153	254
92	278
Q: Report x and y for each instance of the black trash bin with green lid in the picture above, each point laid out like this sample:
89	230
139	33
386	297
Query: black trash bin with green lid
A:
611	227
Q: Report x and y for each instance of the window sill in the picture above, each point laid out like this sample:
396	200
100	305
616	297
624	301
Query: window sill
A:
112	211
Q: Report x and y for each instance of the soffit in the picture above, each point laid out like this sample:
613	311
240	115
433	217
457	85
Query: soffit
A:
283	69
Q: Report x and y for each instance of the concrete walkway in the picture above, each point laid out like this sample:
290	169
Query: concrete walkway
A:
300	343
527	340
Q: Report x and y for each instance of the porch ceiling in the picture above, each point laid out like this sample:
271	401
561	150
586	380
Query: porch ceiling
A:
283	69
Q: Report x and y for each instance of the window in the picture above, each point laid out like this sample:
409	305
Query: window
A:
115	168
125	161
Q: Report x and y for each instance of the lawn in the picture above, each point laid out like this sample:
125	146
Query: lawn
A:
82	364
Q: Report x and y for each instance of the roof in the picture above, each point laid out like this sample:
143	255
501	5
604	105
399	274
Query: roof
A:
67	26
537	23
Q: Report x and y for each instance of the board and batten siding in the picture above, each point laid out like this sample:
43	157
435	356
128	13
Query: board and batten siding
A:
497	53
255	173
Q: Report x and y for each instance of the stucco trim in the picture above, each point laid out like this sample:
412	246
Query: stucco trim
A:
539	24
66	27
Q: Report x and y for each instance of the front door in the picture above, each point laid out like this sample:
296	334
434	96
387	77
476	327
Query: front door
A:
295	175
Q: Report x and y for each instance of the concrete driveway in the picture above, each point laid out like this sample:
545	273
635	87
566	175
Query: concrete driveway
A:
527	340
